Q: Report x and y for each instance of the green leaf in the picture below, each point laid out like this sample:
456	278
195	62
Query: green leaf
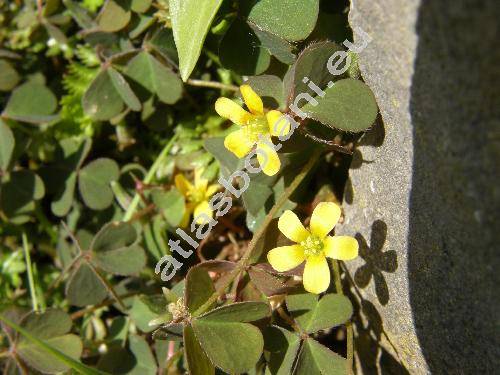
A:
315	358
199	287
145	363
311	63
270	89
124	90
171	204
266	282
292	20
7	144
156	78
228	161
283	347
94	183
313	315
79	14
8	76
233	347
101	101
44	333
240	50
238	312
278	47
19	191
348	105
197	361
31	102
142	312
114	249
191	20
84	287
114	15
140	6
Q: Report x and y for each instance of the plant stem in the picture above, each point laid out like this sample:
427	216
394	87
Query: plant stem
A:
149	177
348	326
27	259
243	262
211	84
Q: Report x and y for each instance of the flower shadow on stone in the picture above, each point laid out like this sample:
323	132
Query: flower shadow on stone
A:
376	261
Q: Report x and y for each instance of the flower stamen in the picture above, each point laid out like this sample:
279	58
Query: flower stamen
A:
313	246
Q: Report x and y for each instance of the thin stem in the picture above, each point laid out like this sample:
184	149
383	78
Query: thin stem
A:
108	286
27	259
211	84
243	262
149	177
348	326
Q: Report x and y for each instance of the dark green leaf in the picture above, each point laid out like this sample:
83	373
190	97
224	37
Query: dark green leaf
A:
8	76
289	19
171	204
348	105
79	14
94	183
197	361
282	346
101	101
191	20
238	312
270	89
19	191
31	102
155	77
84	287
233	347
7	144
114	15
240	50
124	90
113	236
199	287
315	358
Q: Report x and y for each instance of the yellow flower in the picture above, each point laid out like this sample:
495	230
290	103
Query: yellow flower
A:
197	196
313	246
256	128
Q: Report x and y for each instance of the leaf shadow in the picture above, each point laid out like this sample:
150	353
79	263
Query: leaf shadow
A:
376	260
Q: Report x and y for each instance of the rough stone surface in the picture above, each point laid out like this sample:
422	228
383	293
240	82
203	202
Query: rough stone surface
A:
426	200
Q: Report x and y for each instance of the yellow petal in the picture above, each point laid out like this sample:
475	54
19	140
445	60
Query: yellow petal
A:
238	143
324	218
284	258
268	158
211	190
278	125
187	215
316	277
252	100
200	183
202	208
290	225
182	184
341	247
228	109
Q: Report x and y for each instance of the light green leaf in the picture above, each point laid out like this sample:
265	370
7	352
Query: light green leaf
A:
94	183
191	20
101	101
238	312
145	361
171	204
114	15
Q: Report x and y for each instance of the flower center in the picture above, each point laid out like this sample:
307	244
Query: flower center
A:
312	246
256	126
196	196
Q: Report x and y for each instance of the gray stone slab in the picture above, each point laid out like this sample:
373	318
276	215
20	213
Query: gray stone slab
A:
426	200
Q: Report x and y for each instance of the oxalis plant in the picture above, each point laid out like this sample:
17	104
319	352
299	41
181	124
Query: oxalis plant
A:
171	173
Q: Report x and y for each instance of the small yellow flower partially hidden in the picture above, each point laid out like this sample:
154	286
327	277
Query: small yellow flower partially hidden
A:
313	246
197	196
256	128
